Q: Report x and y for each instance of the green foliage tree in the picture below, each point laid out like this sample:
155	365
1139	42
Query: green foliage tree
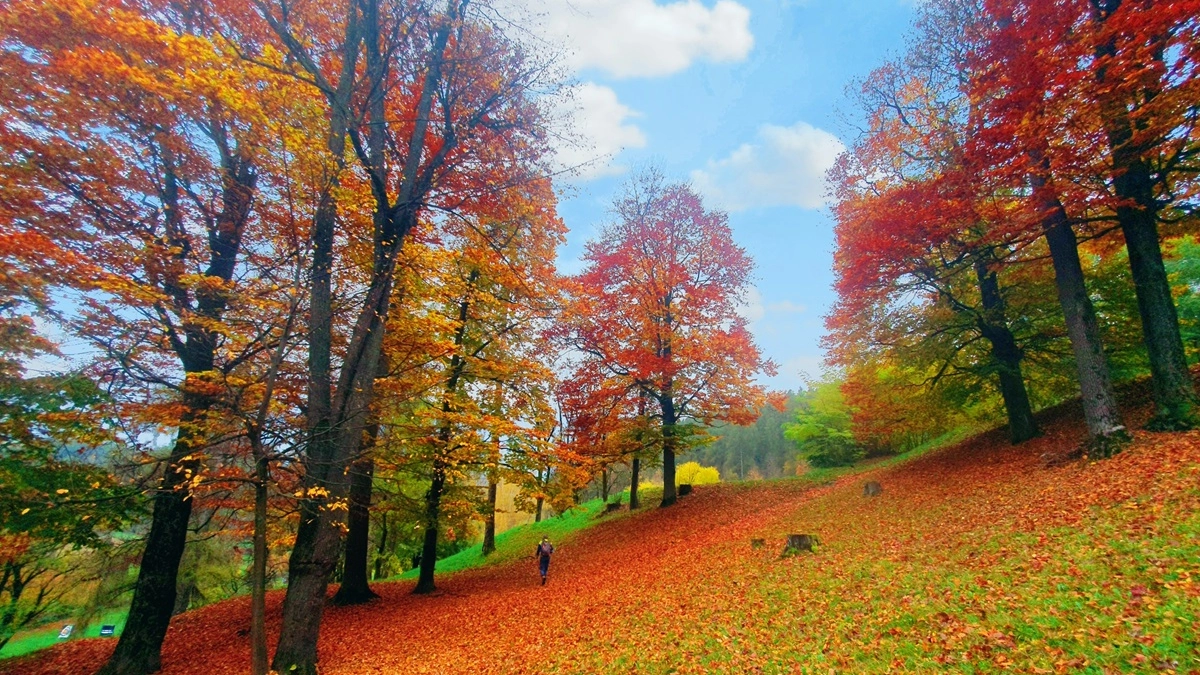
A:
1183	266
55	494
822	427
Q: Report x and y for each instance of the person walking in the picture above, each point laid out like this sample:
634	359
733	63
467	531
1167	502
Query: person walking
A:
542	553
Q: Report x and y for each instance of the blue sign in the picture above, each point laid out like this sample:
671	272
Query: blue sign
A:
107	630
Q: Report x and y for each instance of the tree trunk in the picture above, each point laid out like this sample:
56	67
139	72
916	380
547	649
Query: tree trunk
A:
138	651
1006	354
604	485
433	500
1106	431
1137	212
332	442
381	549
489	528
537	516
259	664
139	648
355	588
668	431
1174	392
313	551
633	483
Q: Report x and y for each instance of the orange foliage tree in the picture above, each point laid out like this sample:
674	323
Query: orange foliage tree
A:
919	270
133	143
430	107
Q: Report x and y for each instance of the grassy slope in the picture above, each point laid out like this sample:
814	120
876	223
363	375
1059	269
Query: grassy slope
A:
47	636
519	541
975	559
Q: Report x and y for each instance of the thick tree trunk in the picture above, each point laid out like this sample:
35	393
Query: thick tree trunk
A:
489	528
537	516
355	588
633	483
668	431
313	553
318	544
1106	431
1174	392
139	648
433	499
1137	212
259	663
1005	353
1021	424
604	485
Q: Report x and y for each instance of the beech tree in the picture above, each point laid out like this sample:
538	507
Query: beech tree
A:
134	142
415	94
913	235
656	309
1011	82
1126	73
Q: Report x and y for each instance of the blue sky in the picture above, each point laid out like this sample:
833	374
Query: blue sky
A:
744	98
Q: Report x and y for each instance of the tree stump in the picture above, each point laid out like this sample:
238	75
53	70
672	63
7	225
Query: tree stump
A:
872	489
685	490
798	543
612	507
758	543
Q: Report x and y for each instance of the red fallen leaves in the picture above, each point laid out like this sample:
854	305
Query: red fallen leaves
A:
943	570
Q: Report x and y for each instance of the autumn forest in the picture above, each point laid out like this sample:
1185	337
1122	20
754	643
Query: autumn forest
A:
293	377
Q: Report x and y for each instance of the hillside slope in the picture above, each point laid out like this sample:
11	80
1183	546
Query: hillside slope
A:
974	559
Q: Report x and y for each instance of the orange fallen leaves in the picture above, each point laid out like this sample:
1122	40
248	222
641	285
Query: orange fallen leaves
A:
974	558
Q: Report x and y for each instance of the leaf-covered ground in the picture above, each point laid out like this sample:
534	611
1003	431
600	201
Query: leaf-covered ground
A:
974	559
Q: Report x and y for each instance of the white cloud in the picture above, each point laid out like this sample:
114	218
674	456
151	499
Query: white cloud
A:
642	38
785	166
753	308
592	127
787	307
797	371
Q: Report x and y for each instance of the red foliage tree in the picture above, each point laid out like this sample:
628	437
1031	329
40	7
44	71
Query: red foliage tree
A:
655	311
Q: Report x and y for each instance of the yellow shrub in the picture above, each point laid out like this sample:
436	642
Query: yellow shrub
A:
692	473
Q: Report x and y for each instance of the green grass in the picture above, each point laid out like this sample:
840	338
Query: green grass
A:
821	476
520	541
46	636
